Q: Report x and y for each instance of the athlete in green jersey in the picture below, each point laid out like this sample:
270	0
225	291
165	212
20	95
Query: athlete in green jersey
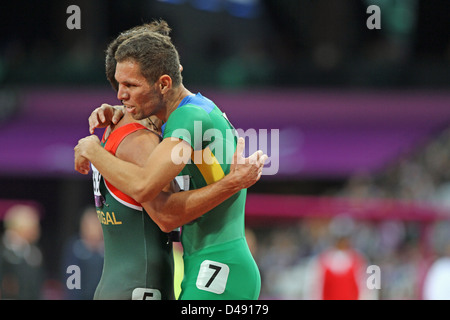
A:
218	264
217	260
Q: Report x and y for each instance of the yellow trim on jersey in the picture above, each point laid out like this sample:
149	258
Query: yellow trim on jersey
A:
208	165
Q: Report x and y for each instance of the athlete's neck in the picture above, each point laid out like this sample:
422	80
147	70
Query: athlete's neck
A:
127	118
174	99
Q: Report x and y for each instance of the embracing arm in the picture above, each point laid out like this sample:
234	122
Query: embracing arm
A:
142	183
171	210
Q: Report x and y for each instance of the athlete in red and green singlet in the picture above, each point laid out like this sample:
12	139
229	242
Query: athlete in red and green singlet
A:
138	260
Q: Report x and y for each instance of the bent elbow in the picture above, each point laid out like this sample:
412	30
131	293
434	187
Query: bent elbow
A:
144	191
166	227
163	220
138	197
140	193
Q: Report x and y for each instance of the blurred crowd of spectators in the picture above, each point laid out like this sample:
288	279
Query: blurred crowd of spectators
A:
404	250
287	256
24	267
422	175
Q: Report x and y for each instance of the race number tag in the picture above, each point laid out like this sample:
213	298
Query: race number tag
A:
182	182
213	276
96	177
145	294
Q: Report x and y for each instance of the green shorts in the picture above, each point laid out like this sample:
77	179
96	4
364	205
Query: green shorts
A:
222	272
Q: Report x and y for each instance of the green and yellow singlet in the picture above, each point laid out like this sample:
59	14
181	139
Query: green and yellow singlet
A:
217	261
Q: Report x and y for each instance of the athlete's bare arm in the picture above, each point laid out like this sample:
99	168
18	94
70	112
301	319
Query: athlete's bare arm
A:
158	171
170	210
148	180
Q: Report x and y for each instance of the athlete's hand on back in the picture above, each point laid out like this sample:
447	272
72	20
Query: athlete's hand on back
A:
82	164
105	115
247	170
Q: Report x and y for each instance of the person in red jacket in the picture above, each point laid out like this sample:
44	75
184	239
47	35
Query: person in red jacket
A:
339	272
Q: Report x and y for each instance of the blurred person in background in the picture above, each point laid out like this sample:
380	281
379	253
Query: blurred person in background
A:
437	280
21	261
436	285
85	251
339	272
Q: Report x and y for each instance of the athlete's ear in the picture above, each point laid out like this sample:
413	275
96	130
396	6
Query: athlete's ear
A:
165	83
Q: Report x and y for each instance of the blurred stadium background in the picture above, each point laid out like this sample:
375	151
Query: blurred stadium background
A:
363	118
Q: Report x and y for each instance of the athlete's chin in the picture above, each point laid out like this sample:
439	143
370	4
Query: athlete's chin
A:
138	116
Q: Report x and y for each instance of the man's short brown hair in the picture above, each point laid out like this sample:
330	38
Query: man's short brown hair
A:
155	54
159	26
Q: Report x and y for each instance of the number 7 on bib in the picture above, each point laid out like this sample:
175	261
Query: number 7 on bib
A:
212	276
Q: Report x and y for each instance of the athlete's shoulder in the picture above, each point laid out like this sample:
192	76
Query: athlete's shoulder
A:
119	133
196	103
137	146
202	102
186	116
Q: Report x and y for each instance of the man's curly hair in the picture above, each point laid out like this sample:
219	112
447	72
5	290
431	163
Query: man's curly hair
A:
161	27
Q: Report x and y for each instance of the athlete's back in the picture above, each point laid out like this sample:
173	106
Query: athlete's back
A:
138	260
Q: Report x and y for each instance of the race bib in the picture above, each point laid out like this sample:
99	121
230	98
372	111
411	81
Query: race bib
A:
145	294
213	276
96	178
